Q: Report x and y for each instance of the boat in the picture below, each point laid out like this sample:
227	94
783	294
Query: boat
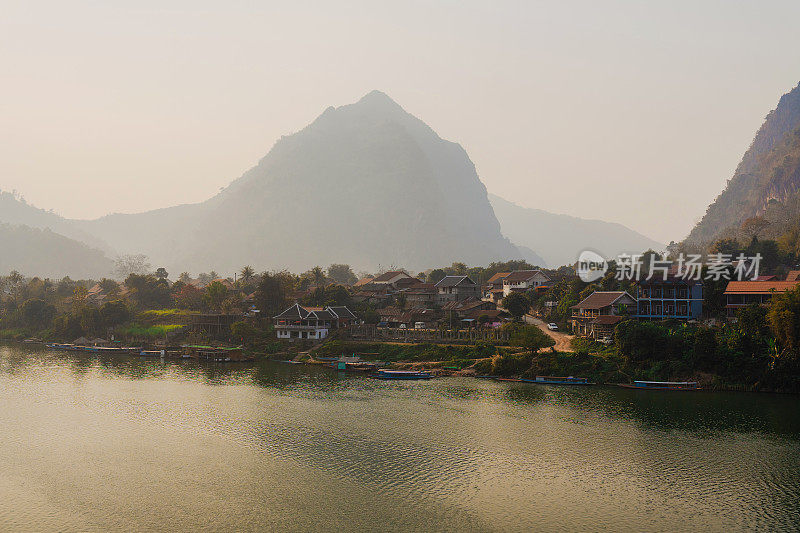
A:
402	374
556	380
152	353
661	385
516	380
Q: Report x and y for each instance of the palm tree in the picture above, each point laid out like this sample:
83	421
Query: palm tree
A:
247	274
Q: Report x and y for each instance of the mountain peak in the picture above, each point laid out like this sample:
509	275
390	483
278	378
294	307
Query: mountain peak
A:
378	101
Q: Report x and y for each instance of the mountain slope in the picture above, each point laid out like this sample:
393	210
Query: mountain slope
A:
38	252
766	174
560	238
16	211
366	184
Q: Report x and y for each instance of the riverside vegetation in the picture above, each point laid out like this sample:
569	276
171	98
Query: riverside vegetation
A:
758	351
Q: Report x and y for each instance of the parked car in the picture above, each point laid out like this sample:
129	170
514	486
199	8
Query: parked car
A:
552	326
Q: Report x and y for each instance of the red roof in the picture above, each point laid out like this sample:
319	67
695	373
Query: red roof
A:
759	287
388	276
793	275
497	277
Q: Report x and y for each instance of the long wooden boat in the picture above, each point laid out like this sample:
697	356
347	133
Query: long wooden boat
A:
94	349
402	374
558	380
661	385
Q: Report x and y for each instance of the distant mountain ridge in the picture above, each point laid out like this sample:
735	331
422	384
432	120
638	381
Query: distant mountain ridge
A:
559	239
765	183
366	184
43	253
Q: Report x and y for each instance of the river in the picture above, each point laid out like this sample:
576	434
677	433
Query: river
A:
92	443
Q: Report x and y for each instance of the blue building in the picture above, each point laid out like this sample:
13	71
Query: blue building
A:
670	298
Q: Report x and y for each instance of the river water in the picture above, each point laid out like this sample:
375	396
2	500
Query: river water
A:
92	443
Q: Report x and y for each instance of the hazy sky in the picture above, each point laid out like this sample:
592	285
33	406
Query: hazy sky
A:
634	112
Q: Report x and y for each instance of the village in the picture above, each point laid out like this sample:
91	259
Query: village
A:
466	319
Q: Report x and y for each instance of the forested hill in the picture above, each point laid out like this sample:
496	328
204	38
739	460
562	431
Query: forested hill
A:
765	182
40	252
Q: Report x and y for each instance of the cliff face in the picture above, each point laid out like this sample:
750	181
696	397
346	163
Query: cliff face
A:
767	174
366	184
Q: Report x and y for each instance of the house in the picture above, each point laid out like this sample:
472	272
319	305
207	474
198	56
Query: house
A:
470	310
394	317
493	318
669	296
597	315
793	275
372	293
363	281
421	294
739	294
493	289
464	307
454	288
522	280
405	283
299	322
391	278
96	295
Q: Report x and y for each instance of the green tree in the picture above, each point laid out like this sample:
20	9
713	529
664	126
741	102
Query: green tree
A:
90	321
148	292
36	313
109	286
114	313
342	274
161	273
215	295
529	337
784	321
436	275
517	305
271	294
247	275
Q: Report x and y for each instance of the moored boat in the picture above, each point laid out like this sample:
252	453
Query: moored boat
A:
402	374
661	385
558	380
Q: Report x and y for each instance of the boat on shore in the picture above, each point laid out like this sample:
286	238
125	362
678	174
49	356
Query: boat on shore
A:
558	380
402	374
548	380
94	349
661	385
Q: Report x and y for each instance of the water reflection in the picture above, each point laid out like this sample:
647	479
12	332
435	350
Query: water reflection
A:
449	454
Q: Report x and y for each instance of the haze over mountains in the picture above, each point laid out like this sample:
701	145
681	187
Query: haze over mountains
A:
765	183
560	238
366	184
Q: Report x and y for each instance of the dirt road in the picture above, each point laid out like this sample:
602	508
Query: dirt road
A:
563	340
